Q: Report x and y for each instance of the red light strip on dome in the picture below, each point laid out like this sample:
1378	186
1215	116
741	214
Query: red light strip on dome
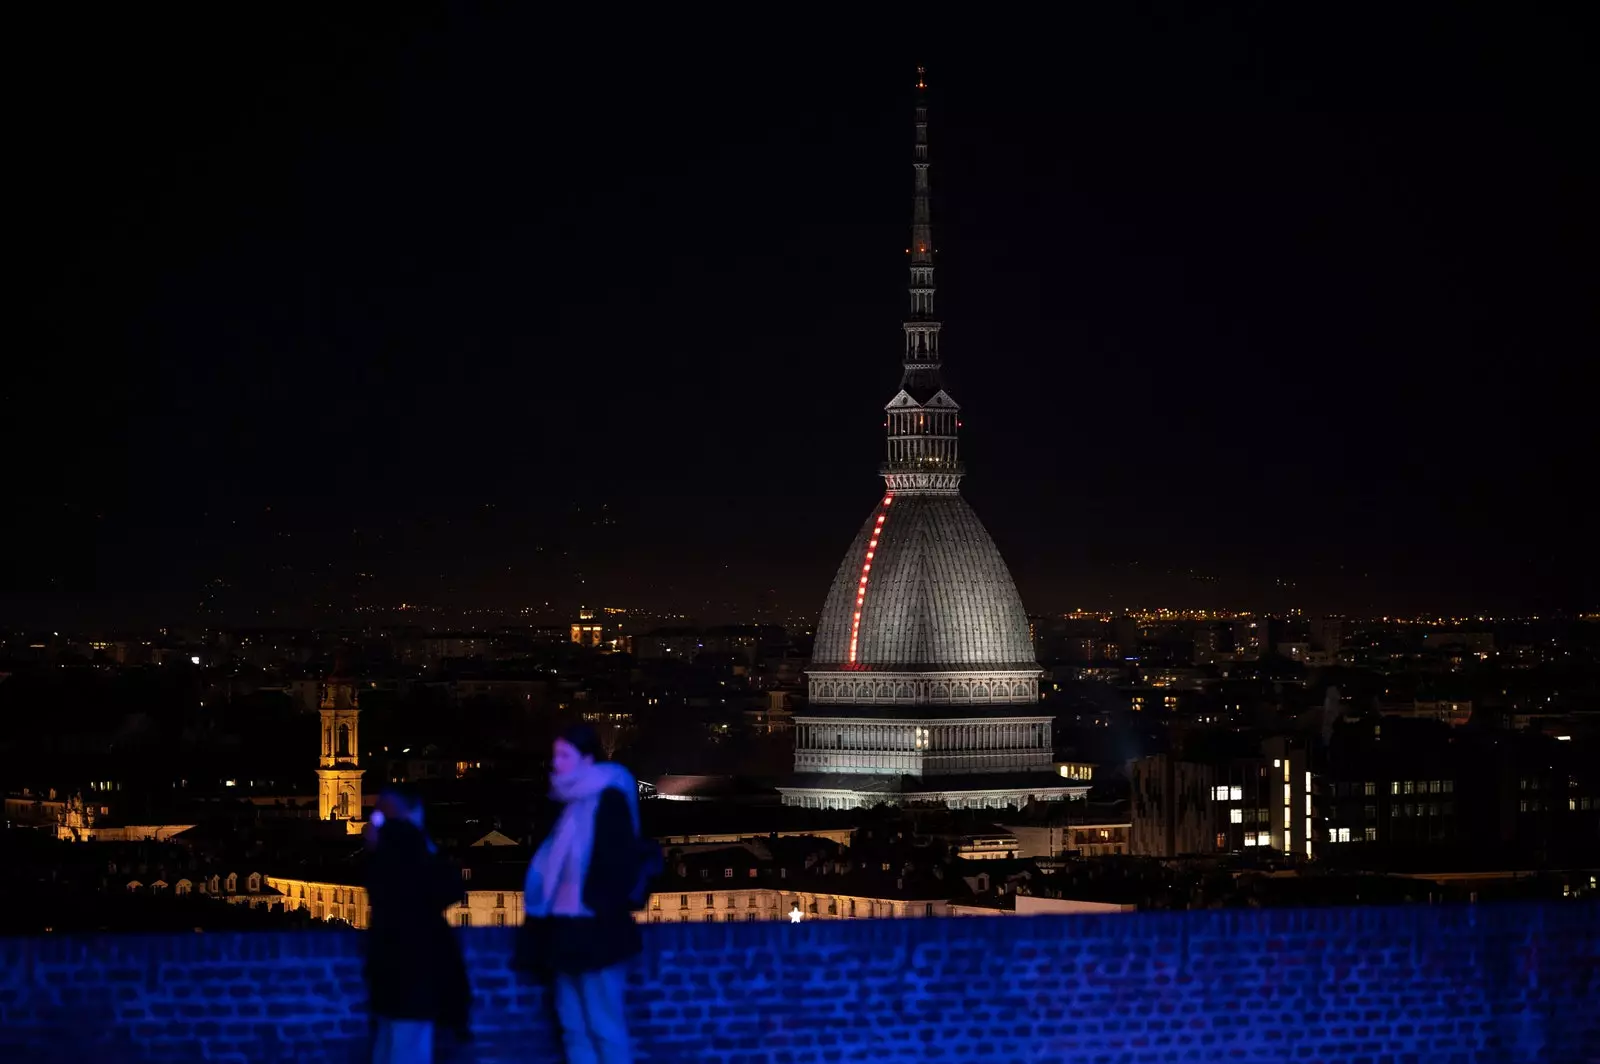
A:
866	568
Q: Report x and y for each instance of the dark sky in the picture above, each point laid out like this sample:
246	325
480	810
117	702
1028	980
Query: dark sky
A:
1243	311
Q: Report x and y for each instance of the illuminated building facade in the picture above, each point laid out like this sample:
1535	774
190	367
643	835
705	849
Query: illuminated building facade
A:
339	772
923	684
587	631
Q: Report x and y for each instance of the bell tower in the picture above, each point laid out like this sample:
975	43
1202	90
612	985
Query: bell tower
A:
339	772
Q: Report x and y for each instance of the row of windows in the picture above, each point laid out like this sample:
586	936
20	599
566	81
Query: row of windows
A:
1247	816
1422	809
1422	787
711	901
464	919
1574	805
1369	834
1537	783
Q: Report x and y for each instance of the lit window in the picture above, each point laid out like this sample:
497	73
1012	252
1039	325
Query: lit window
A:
1236	816
1235	793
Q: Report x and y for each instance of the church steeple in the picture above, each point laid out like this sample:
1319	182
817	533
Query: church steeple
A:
922	418
339	769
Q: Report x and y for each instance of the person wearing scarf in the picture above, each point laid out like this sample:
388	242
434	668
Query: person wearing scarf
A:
579	932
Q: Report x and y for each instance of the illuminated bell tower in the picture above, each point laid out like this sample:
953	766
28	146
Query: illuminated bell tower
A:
339	774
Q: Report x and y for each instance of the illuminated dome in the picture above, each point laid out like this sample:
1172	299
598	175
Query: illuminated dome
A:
937	595
922	686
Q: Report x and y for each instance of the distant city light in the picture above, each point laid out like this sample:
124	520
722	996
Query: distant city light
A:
195	659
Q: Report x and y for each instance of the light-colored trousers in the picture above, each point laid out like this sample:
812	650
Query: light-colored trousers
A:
590	1007
403	1042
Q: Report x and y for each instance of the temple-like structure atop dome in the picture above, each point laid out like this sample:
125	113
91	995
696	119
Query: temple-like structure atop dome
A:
922	683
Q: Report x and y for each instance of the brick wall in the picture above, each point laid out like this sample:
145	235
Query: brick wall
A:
1514	983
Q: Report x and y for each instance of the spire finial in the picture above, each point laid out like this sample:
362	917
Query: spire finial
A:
922	418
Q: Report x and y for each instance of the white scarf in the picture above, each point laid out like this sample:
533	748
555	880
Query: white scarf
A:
555	878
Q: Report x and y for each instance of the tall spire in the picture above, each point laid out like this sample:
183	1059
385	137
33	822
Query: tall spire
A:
922	332
923	419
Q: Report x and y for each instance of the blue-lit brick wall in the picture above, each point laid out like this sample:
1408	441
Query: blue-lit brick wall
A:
1419	984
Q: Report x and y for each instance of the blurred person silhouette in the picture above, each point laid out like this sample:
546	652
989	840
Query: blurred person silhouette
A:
590	871
416	977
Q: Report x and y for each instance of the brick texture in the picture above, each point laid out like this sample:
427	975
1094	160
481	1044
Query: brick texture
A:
1410	985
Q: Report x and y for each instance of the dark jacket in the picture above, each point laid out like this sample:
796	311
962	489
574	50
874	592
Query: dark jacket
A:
571	944
414	966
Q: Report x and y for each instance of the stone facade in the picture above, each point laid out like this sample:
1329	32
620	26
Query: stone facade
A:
924	746
339	772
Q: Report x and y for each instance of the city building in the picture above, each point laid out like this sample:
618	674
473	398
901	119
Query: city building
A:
1185	807
587	631
339	772
922	685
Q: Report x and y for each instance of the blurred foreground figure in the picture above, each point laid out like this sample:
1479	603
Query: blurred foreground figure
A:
588	875
416	978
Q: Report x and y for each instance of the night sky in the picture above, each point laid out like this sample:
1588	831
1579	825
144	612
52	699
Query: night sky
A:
479	311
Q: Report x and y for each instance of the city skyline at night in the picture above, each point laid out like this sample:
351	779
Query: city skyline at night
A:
507	558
